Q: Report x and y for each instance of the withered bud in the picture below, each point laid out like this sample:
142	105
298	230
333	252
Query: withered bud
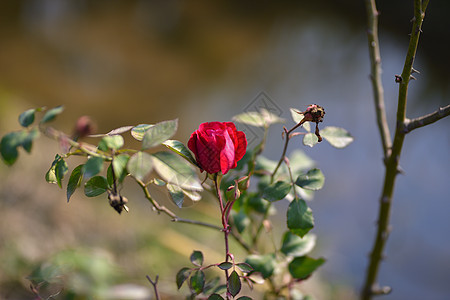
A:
84	127
118	202
314	113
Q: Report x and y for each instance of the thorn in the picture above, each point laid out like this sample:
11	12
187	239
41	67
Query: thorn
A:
412	77
400	170
414	71
381	290
413	19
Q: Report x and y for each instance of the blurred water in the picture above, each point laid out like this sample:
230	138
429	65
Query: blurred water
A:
302	61
326	63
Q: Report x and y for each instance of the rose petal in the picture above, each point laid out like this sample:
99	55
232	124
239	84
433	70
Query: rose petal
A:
227	158
241	145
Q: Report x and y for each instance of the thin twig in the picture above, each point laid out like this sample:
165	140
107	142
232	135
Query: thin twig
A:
194	222
410	125
287	133
286	143
62	137
375	75
155	285
162	209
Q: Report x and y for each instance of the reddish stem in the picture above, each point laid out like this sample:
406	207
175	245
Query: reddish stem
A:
226	229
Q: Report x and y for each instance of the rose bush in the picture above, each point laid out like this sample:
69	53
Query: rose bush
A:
217	146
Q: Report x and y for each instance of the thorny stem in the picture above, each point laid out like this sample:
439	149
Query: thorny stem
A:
404	126
375	75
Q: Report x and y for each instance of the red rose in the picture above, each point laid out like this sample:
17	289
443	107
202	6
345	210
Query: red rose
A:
217	146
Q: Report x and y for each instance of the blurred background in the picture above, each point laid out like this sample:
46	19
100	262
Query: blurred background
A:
131	62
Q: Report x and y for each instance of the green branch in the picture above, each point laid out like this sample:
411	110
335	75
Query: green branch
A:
410	125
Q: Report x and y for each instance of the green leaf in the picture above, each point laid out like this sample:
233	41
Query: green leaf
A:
210	285
310	139
256	203
270	118
276	191
197	258
234	283
312	180
240	220
140	165
95	186
9	145
182	275
258	119
61	169
302	267
244	298
111	142
174	169
120	166
11	141
226	265
244	267
180	149
264	264
220	289
176	194
51	114
74	181
28	139
197	282
27	117
298	117
293	245
251	118
215	297
193	195
116	131
93	166
159	182
336	136
138	131
159	133
299	161
299	217
263	163
50	176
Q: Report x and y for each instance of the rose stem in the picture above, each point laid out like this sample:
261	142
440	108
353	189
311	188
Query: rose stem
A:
226	230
